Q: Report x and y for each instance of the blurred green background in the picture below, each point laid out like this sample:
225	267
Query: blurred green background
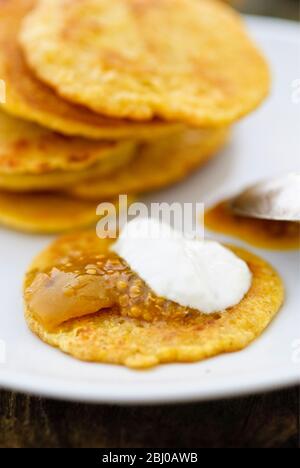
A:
279	8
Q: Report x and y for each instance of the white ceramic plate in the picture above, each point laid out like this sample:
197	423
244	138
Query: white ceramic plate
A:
266	143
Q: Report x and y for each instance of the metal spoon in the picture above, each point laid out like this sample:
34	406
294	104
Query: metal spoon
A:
273	199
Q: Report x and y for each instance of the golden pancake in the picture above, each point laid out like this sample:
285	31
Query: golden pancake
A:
160	163
182	60
34	158
82	277
45	213
276	235
30	99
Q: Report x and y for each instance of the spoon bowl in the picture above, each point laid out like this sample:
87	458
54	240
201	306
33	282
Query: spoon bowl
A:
275	199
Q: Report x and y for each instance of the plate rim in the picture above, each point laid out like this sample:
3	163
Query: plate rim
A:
94	393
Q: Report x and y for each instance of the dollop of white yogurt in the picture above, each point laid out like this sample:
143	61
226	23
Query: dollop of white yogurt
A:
202	275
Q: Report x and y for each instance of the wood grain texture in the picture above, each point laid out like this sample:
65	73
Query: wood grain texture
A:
262	421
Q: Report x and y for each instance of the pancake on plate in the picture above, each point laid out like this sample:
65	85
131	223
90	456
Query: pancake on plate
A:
30	99
85	300
181	60
45	213
35	158
158	164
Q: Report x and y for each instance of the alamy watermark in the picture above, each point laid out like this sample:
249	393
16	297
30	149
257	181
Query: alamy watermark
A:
187	218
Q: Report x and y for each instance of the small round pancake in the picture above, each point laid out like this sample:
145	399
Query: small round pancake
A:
107	336
42	213
34	158
160	163
28	98
182	60
266	234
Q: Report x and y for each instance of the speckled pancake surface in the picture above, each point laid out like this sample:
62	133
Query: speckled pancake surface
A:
34	158
182	60
29	98
113	334
158	164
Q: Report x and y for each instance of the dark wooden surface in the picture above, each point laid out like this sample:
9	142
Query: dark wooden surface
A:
264	421
288	9
270	420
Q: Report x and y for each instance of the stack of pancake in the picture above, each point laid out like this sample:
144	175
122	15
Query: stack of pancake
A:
114	97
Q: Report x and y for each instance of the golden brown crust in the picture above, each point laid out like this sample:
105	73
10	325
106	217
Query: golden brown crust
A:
35	158
160	163
27	148
108	337
197	65
30	99
45	213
